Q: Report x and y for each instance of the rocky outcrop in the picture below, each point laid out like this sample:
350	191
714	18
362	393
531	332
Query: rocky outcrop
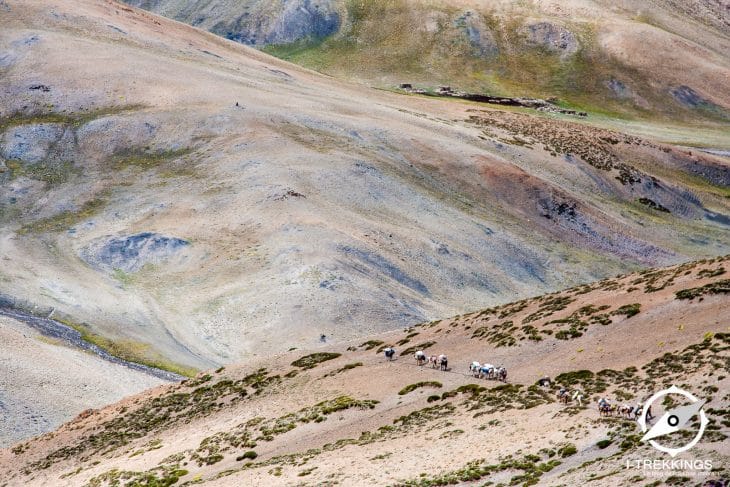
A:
252	22
552	37
618	88
478	34
130	253
688	97
34	143
534	103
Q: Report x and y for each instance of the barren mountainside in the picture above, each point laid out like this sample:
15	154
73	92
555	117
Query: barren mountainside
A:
246	205
346	415
176	200
645	58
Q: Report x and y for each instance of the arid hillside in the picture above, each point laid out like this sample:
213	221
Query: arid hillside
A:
186	201
649	58
346	415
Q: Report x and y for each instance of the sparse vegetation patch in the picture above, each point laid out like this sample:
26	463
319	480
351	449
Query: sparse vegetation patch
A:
417	385
312	360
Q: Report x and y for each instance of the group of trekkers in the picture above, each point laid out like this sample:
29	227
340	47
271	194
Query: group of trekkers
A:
605	408
628	411
441	362
499	372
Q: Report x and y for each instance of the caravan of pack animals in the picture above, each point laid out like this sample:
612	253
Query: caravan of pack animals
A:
350	243
499	372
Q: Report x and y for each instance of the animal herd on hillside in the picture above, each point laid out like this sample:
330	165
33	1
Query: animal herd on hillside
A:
499	372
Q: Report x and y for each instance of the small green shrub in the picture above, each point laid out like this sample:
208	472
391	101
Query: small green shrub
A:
603	444
314	359
249	455
415	348
413	387
628	309
719	287
567	450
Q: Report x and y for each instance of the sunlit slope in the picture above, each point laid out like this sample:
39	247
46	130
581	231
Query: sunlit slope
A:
345	414
647	59
189	201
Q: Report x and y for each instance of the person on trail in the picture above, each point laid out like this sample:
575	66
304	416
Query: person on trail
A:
323	338
649	416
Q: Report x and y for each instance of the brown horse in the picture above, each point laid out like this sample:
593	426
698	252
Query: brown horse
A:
606	409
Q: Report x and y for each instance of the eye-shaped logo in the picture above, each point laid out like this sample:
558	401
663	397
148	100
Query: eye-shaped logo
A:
674	420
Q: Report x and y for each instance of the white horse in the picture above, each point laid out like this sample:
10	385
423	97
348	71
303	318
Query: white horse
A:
433	361
420	357
443	361
578	396
474	368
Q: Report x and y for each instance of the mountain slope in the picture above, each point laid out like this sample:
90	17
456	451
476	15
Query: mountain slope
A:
68	381
183	198
621	57
346	415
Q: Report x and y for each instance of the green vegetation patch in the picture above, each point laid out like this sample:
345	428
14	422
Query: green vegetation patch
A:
418	385
180	403
653	205
370	344
548	307
415	348
707	273
130	350
529	467
503	397
245	435
145	158
66	219
345	369
52	174
158	477
718	287
603	444
501	335
628	310
249	455
314	359
72	119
